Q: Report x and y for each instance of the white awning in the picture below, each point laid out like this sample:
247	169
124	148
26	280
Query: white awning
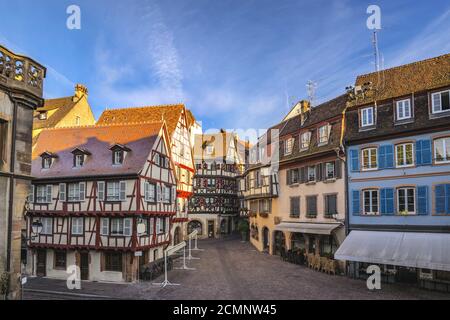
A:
407	249
311	228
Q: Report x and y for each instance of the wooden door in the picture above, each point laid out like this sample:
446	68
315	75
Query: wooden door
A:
84	265
41	263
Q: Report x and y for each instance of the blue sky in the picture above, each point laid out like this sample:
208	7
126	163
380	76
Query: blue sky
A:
235	63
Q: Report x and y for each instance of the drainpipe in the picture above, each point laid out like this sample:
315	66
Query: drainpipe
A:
344	159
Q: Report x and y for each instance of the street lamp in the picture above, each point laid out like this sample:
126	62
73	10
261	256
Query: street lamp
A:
36	229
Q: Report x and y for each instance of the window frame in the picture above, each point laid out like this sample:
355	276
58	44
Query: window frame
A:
401	104
118	157
57	259
362	113
108	259
76	162
406	197
333	164
327	129
371	212
440	99
288	146
370	151
435	140
305	143
403	145
47	223
77	226
47	162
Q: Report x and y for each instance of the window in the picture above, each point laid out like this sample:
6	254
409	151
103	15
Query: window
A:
404	155
442	150
77	120
166	194
305	140
295	207
42	115
104	230
265	206
150	192
116	227
115	191
77	226
403	109
43	194
330	205
367	117
312	173
60	259
209	149
113	261
288	144
330	172
369	158
79	160
406	200
440	101
156	159
76	192
294	175
46	163
370	202
311	206
324	132
118	157
160	225
47	226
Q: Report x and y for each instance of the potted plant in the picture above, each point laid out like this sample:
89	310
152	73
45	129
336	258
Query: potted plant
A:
4	284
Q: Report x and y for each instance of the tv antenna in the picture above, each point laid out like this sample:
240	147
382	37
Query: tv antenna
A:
311	87
375	50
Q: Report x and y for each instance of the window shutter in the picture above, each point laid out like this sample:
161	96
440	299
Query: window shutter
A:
440	199
104	226
82	191
354	160
382	157
31	196
447	197
158	193
324	171
48	195
123	188
337	169
387	201
101	190
355	203
389	156
423	152
146	191
319	172
174	194
62	192
288	177
152	226
422	200
127	226
302	175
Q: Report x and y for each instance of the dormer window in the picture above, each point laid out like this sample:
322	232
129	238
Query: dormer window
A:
79	157
305	139
324	134
367	117
119	153
43	116
47	160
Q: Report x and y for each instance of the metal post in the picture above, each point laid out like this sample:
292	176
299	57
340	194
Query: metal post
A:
184	267
196	245
190	257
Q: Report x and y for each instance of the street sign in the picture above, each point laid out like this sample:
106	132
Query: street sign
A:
24	280
138	254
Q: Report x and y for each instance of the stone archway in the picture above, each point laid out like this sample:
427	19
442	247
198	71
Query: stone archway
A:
195	225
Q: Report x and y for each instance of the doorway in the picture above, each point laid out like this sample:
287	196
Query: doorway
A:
84	265
177	236
280	243
211	229
41	263
265	239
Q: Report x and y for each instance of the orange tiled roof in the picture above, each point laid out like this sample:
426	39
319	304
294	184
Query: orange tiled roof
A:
402	80
170	114
97	140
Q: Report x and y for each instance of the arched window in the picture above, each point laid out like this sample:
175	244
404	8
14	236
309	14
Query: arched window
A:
195	225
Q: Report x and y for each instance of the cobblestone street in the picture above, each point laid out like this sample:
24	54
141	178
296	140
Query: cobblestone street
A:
230	269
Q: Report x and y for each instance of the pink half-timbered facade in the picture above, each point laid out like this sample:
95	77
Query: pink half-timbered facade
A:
105	196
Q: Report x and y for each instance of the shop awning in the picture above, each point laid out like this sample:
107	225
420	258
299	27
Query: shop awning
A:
311	228
407	249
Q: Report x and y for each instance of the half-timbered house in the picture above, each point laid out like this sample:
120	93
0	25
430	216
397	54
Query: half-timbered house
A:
105	196
214	208
180	126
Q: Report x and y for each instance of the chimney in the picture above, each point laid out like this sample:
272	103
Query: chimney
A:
305	109
80	91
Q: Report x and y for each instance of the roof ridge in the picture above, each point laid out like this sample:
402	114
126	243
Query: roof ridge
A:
60	98
406	65
104	125
146	107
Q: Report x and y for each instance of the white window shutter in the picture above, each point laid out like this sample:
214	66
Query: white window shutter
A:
167	225
31	196
101	190
174	194
104	227
123	188
82	191
158	193
146	191
127	226
48	195
152	227
62	192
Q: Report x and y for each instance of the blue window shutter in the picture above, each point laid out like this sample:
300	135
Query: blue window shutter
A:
382	157
419	152
389	154
354	158
440	199
422	200
426	152
355	203
383	201
387	201
447	198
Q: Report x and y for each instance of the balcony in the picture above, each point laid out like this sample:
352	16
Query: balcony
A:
20	72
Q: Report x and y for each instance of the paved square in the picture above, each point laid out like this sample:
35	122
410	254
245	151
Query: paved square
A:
230	269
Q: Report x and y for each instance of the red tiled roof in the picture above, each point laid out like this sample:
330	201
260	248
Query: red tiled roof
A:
97	140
